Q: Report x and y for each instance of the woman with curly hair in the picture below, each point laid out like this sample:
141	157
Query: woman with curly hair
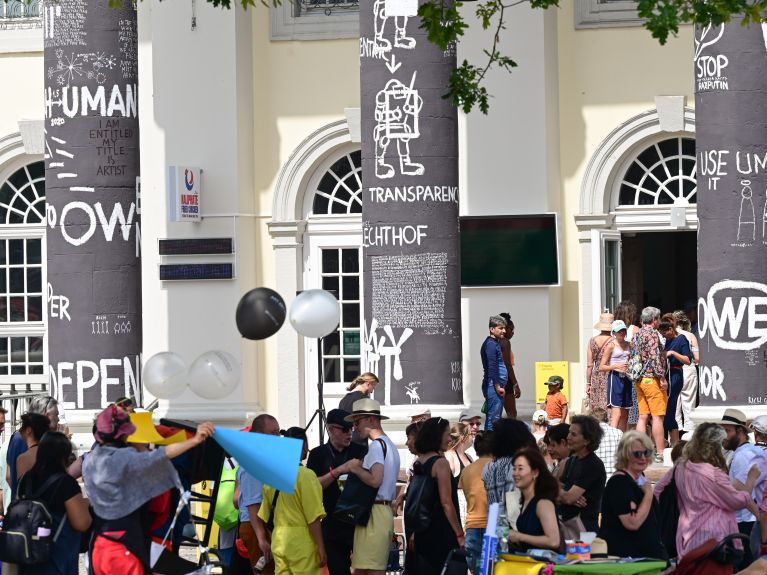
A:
707	499
537	525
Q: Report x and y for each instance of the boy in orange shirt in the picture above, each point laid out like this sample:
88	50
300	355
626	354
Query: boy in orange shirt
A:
556	402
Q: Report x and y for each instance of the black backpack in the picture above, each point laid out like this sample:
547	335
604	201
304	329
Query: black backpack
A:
668	516
421	498
27	534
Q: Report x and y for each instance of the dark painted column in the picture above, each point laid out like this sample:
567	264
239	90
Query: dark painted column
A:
93	202
731	125
411	263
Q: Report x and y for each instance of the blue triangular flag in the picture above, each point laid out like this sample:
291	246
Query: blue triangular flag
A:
271	459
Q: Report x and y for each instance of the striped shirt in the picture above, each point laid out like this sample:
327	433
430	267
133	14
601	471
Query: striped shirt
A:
611	437
707	504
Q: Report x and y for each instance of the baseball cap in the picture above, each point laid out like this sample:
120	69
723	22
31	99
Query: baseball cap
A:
760	424
618	325
555	380
338	417
467	415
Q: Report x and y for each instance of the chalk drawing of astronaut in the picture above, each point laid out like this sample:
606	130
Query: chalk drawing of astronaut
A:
396	115
401	39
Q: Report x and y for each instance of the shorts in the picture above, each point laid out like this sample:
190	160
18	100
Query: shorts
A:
618	390
651	398
373	541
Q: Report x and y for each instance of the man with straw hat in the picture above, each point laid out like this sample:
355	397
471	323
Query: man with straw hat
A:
379	469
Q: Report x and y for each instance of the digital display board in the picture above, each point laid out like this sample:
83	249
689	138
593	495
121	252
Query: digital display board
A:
196	246
176	272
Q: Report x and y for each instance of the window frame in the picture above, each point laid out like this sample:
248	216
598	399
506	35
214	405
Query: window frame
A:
285	24
606	14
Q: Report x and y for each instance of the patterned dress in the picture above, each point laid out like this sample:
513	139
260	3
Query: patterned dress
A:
597	396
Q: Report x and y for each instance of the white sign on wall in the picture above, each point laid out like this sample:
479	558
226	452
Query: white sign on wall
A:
184	187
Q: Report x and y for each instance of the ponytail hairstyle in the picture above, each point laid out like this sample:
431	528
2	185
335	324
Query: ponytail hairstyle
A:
361	379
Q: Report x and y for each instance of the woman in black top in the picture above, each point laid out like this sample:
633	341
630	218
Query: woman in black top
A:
64	501
429	546
362	387
585	483
629	510
537	525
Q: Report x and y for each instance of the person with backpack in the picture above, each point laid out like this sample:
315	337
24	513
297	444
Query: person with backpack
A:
706	498
120	482
33	427
48	482
431	504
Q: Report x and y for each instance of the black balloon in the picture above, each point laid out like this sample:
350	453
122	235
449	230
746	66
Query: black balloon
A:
260	313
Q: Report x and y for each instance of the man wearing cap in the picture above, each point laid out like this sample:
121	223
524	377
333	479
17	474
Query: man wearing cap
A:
420	416
744	455
495	375
330	463
379	469
474	421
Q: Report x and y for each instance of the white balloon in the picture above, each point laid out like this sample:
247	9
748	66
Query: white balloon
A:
165	375
214	374
315	313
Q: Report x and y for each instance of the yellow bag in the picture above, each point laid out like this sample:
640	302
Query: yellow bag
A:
517	565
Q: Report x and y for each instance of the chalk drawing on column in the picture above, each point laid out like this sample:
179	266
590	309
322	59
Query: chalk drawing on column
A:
400	11
411	390
375	347
764	34
397	112
706	38
746	217
57	155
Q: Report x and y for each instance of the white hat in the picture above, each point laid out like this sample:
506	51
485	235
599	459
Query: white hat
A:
760	424
540	416
618	325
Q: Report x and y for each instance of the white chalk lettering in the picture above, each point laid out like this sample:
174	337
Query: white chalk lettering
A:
388	235
78	100
85	374
58	305
711	380
713	163
94	214
723	318
414	194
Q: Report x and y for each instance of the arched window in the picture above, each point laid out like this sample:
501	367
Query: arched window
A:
339	190
662	174
22	278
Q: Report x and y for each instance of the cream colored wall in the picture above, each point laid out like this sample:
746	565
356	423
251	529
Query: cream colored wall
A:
298	87
22	96
606	76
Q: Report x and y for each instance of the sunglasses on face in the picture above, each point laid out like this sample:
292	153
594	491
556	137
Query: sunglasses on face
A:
340	428
640	454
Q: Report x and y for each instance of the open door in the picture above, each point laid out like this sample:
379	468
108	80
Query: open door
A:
607	284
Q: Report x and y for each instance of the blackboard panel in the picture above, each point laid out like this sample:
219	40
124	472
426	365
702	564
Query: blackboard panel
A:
499	251
173	272
196	246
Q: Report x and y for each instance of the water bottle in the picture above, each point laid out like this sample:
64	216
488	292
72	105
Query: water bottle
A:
503	539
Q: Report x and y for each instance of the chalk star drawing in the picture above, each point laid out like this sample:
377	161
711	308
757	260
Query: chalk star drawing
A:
88	64
397	111
411	390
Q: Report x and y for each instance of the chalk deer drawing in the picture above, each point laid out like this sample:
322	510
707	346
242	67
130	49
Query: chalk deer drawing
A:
411	390
397	112
701	43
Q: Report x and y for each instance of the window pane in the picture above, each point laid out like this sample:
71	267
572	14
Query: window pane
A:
330	261
3	370
33	251
34	280
17	308
3	350
351	288
332	370
351	261
2	252
16	251
35	370
35	349
330	284
4	309
351	315
35	308
331	344
17	369
18	350
3	280
351	343
351	369
17	280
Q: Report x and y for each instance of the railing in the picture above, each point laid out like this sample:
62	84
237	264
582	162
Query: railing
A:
19	11
16	404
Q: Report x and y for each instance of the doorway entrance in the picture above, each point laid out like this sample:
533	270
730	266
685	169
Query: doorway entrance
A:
659	269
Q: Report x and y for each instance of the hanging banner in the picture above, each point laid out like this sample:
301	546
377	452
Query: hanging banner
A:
93	202
411	265
731	139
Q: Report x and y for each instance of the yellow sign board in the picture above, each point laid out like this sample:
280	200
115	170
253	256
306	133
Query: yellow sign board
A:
543	371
